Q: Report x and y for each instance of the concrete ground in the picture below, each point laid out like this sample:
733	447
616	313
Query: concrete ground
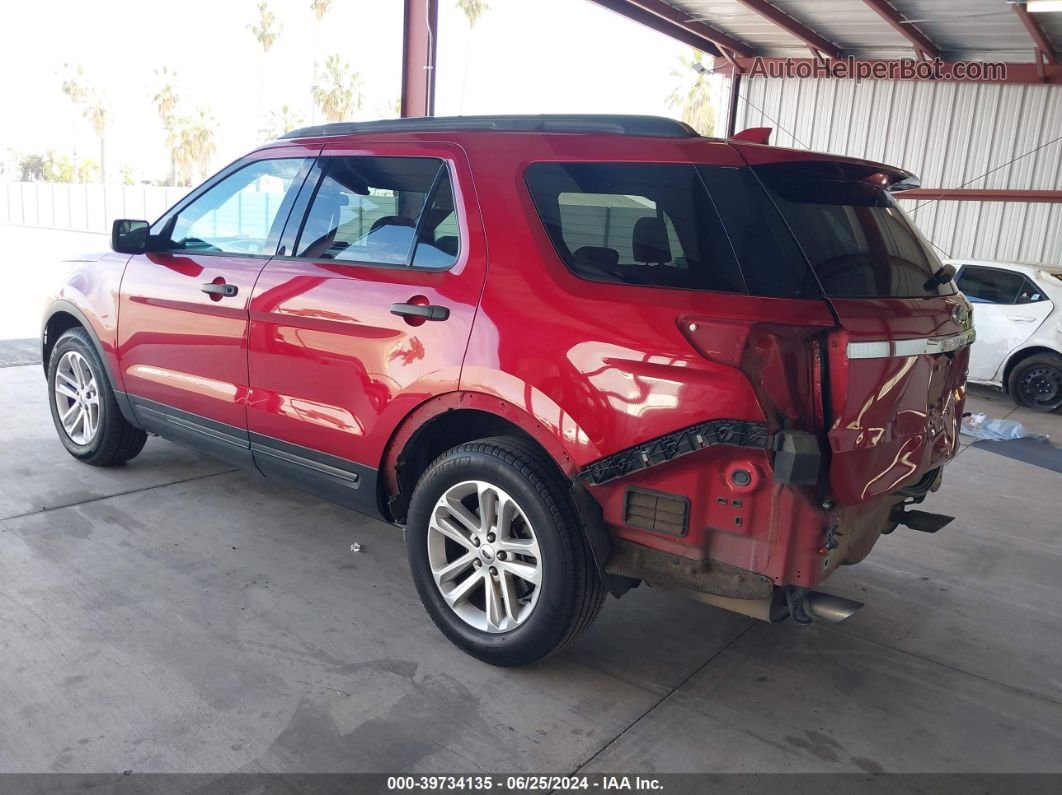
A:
173	615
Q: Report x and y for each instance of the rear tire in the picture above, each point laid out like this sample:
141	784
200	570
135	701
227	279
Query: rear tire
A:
1036	382
518	587
85	412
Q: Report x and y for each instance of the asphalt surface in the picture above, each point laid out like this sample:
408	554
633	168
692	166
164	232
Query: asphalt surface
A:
173	615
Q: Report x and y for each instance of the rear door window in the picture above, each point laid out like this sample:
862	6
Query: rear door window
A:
371	210
634	223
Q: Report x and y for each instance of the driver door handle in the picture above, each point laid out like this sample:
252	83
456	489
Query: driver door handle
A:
1021	318
220	290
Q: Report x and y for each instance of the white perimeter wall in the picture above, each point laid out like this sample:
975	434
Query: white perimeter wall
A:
83	208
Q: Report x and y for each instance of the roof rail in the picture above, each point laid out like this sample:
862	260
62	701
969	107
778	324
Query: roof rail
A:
651	126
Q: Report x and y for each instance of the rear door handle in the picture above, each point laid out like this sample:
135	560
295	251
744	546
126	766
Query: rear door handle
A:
1021	318
221	290
427	312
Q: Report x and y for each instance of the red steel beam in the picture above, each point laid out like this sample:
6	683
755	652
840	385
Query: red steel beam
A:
420	25
982	195
667	19
793	27
1036	33
919	40
895	69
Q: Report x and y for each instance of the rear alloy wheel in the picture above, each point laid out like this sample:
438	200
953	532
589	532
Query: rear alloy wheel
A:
484	556
1036	382
498	554
85	412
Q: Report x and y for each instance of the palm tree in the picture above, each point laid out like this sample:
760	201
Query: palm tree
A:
320	9
96	113
92	107
166	100
693	94
267	28
280	122
339	90
74	87
192	143
473	10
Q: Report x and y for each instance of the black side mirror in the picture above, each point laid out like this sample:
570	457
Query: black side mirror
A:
129	237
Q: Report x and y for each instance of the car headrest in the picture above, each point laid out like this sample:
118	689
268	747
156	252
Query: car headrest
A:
448	244
598	256
391	220
650	243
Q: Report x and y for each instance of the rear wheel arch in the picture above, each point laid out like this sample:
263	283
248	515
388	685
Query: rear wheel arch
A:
457	418
445	422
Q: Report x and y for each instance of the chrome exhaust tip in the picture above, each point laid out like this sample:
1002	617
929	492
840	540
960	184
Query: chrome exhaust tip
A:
804	607
828	608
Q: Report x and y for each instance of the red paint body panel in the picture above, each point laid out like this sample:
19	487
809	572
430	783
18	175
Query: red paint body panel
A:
330	367
177	345
311	355
90	287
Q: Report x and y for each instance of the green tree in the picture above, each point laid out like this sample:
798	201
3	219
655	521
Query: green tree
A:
692	96
31	168
59	168
267	28
167	100
192	143
338	91
279	122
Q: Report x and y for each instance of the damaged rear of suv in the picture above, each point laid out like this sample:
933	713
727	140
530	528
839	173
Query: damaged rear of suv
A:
568	354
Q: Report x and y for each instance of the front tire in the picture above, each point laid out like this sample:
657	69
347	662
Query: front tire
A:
85	412
1036	382
497	553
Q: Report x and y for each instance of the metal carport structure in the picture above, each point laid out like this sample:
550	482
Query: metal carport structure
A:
988	150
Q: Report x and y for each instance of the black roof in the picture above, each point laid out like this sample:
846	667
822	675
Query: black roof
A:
651	126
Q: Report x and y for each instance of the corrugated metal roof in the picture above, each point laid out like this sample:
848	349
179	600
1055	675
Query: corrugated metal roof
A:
970	29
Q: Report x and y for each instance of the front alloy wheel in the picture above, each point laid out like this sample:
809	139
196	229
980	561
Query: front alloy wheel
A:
484	556
83	404
77	398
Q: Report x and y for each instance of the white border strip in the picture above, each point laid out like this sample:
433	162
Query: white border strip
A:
895	349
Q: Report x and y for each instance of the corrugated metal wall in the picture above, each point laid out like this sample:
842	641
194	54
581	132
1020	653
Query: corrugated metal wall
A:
951	135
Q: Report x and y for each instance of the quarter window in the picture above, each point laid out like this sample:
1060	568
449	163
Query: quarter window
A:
635	223
241	214
371	210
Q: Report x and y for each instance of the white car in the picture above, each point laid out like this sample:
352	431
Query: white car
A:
1018	318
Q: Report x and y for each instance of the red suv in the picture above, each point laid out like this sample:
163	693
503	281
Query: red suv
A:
567	354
